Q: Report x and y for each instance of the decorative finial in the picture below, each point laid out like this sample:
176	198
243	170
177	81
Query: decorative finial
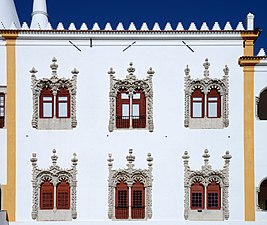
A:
54	67
75	71
74	160
226	70
54	157
185	157
34	159
33	71
187	71
149	159
150	72
111	72
206	65
206	156
131	69
130	158
110	160
227	157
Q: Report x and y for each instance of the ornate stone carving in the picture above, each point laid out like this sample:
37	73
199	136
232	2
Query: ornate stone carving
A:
54	83
205	176
206	84
130	175
55	175
129	84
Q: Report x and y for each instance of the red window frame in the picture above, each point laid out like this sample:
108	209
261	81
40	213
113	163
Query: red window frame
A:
63	92
122	121
213	196
63	195
140	121
197	196
197	94
214	94
46	92
2	110
122	201
47	195
138	201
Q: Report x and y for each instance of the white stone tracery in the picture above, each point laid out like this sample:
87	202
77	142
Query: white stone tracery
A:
130	175
130	84
55	175
205	85
54	83
205	176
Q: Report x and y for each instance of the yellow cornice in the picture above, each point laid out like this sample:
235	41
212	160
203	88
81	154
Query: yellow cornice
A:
249	60
10	34
250	34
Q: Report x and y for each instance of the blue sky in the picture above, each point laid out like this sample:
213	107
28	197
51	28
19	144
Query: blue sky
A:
139	11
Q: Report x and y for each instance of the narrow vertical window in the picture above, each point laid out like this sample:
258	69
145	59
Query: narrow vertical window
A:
261	107
63	195
213	196
138	201
197	104
122	110
2	110
47	195
46	103
214	104
122	205
139	110
63	103
197	196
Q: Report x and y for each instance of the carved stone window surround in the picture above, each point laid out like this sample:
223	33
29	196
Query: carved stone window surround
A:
206	176
54	83
130	175
55	175
205	85
130	84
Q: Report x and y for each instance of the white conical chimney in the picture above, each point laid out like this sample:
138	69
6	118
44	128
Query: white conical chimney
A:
8	14
39	15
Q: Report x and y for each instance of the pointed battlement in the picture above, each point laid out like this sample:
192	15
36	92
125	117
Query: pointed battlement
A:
8	15
39	15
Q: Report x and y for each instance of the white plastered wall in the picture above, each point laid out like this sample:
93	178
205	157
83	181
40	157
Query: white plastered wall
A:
91	140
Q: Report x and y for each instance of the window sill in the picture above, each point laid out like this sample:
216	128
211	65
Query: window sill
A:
54	124
206	123
54	215
206	215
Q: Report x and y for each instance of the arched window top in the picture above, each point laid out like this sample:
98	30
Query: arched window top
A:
198	93
213	93
46	91
122	185
63	91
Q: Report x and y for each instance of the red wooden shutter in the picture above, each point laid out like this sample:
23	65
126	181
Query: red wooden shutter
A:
138	201
63	97
197	196
47	195
45	94
122	201
213	196
63	195
140	121
122	121
197	97
214	97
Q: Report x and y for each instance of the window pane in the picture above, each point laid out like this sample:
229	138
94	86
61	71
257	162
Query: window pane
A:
47	98
197	109
2	113
47	109
1	101
197	99
124	96
136	96
135	110
212	99
62	109
212	108
125	110
63	98
197	200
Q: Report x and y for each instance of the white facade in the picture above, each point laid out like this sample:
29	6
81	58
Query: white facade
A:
168	53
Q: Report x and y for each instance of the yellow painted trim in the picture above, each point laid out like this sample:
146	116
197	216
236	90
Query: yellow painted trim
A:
248	61
9	190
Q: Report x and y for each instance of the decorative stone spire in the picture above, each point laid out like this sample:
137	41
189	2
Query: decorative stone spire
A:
250	21
206	65
130	158
8	14
131	70
54	67
39	15
54	157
